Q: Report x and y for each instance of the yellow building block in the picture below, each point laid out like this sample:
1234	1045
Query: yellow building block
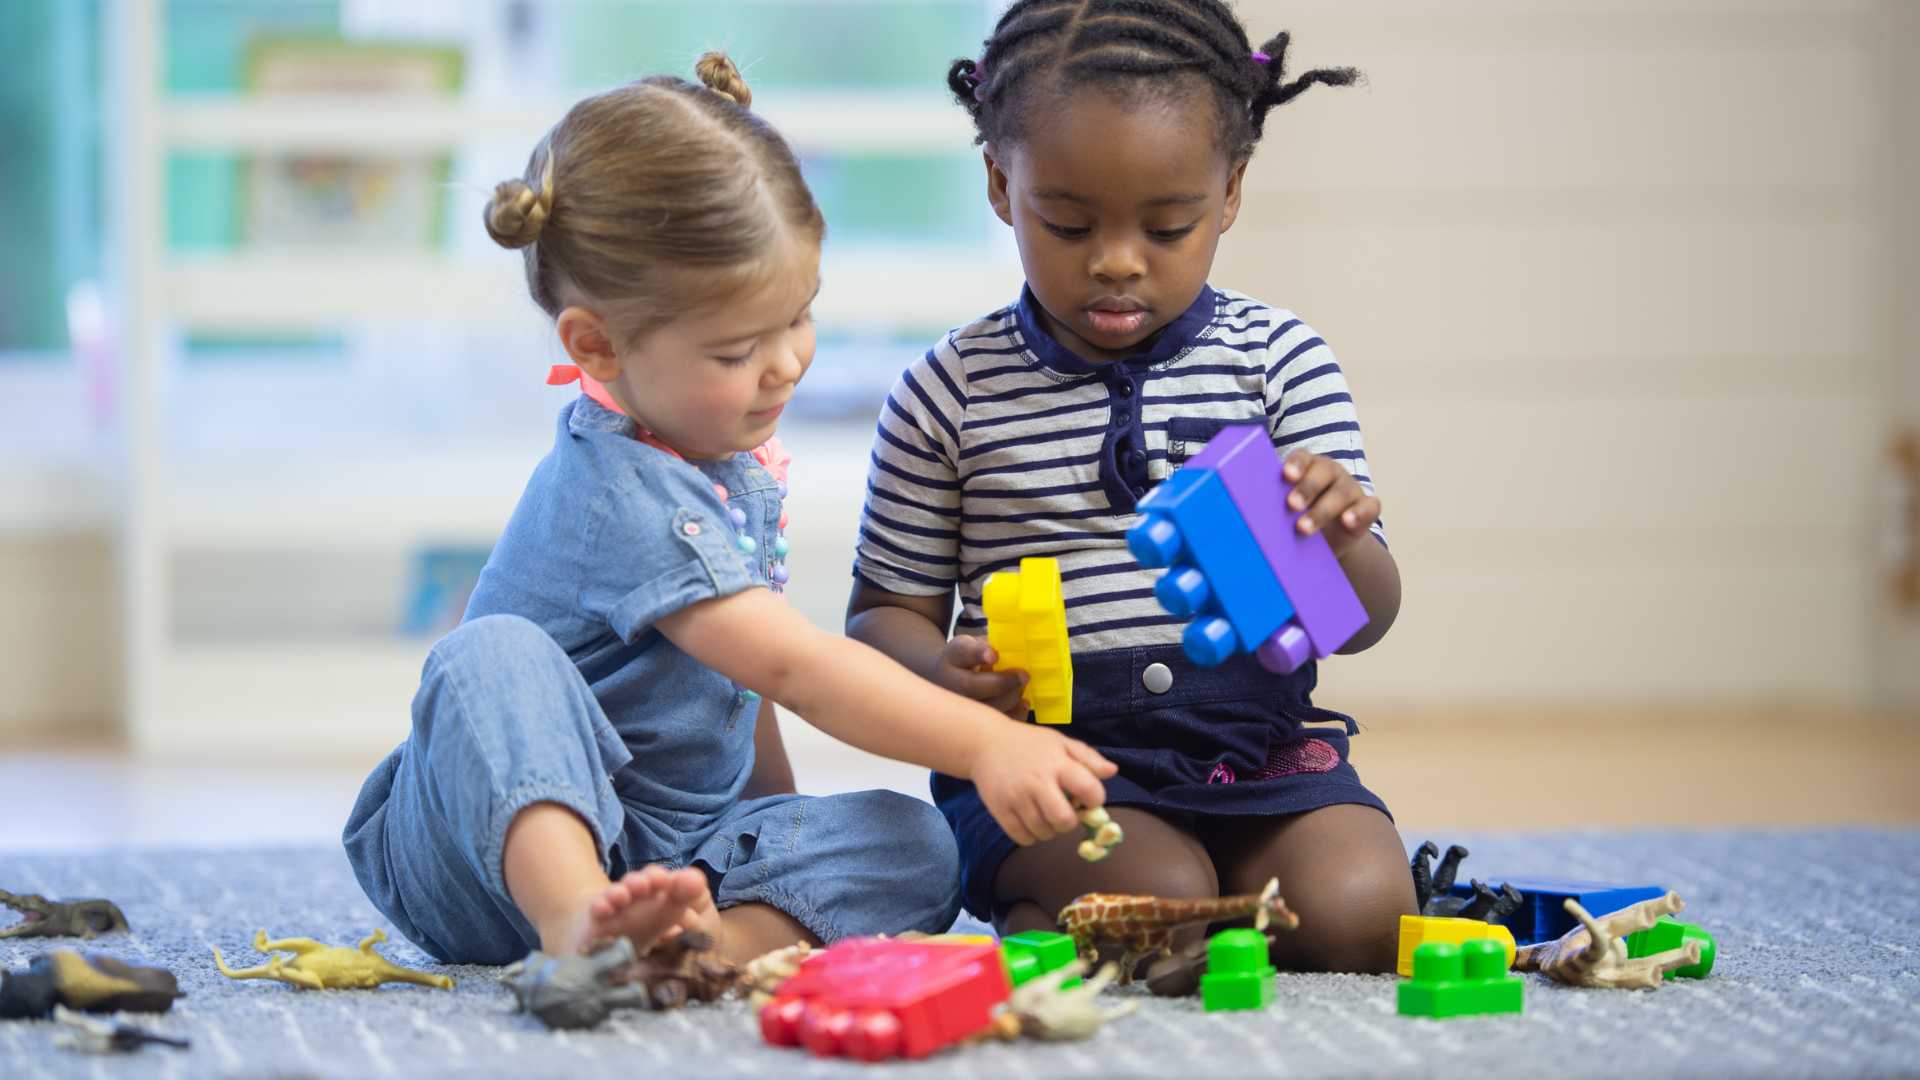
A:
1027	626
1416	930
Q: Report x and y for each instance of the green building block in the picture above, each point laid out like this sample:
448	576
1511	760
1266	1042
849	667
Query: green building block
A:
1239	975
1036	952
1460	980
1670	933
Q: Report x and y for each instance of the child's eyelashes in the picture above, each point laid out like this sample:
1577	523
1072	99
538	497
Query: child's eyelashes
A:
735	361
1081	232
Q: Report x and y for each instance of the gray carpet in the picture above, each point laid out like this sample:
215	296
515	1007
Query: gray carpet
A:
1818	974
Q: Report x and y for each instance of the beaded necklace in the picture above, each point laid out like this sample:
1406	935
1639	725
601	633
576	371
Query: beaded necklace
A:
771	455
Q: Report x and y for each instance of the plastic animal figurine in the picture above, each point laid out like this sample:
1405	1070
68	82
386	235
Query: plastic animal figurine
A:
1143	926
1178	973
90	983
1103	834
762	976
1432	889
41	917
90	1036
572	992
1040	1009
328	967
1594	953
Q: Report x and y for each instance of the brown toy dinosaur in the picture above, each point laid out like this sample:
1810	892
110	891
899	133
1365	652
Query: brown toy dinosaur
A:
41	917
1143	926
328	967
1595	952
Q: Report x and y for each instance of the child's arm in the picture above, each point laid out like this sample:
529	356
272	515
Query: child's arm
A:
1025	774
911	630
772	770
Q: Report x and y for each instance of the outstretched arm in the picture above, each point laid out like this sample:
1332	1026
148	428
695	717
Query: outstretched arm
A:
856	694
847	689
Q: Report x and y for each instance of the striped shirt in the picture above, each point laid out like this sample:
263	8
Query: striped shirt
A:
1001	444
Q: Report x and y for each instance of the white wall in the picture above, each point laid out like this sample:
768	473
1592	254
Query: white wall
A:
1625	294
1608	282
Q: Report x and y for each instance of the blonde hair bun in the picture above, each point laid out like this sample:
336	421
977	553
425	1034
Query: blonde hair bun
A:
717	73
516	213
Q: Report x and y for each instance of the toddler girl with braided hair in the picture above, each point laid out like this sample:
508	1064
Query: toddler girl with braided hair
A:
1116	137
594	752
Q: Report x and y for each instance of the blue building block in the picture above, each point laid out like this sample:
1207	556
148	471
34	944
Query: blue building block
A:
1217	576
1543	916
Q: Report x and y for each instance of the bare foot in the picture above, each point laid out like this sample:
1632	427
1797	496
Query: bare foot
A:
644	906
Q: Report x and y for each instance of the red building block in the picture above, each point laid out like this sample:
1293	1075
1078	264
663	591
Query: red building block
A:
874	999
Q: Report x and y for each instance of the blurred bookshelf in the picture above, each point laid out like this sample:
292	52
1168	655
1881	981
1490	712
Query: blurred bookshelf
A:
315	442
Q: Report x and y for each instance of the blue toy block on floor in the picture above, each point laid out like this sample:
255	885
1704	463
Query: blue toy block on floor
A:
1216	573
1544	918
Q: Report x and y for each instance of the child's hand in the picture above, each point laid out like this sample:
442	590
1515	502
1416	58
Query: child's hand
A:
1031	779
966	668
1332	499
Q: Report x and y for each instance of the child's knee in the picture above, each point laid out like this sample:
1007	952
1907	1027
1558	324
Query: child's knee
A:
494	647
497	686
924	859
1350	921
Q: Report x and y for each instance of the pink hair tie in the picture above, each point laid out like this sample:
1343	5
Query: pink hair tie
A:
1261	58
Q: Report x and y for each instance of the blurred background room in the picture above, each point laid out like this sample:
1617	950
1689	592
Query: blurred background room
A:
1628	293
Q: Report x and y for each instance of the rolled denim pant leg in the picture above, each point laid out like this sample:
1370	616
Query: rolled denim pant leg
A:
866	862
502	720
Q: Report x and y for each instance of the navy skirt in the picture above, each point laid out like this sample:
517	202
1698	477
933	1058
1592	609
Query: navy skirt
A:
1228	741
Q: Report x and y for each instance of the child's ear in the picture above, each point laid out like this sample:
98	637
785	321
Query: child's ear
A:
1234	182
584	335
997	187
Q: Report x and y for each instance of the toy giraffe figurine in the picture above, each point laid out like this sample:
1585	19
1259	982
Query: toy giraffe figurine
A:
1595	952
328	967
1143	926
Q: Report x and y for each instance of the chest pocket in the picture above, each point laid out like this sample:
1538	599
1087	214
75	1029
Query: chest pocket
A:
1188	435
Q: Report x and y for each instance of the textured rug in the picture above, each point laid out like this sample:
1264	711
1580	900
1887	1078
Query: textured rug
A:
1818	974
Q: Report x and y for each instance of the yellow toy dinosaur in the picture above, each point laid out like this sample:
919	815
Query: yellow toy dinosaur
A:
328	967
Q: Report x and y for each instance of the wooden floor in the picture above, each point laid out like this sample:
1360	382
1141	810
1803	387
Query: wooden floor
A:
1647	769
1438	772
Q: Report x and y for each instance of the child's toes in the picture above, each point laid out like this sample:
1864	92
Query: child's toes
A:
646	881
685	886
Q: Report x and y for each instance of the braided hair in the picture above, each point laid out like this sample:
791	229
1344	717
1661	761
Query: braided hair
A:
1136	47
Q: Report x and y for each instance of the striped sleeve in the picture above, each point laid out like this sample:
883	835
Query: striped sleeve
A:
1309	406
909	539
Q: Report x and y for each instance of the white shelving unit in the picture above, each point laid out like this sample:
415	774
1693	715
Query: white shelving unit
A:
348	697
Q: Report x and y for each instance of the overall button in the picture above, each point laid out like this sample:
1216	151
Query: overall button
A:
1158	678
1125	389
1136	459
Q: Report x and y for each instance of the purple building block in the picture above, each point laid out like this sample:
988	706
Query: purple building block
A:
1326	611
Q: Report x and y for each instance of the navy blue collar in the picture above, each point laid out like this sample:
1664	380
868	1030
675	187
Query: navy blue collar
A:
1164	345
